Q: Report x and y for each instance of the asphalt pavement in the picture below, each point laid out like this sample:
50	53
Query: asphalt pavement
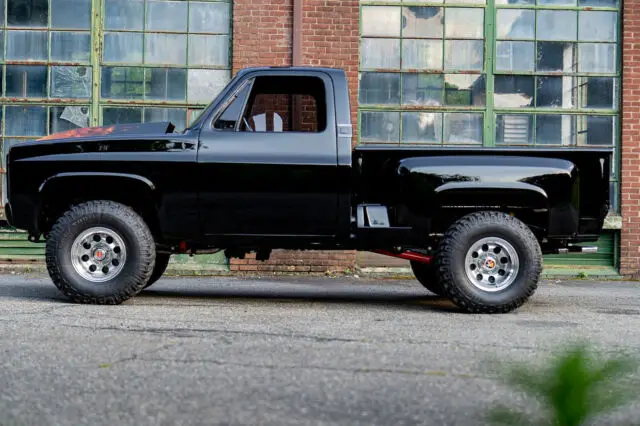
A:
288	351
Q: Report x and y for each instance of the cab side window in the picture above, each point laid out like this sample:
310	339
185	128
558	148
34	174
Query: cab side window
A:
278	104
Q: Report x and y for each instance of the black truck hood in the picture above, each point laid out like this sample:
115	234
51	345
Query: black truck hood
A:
142	129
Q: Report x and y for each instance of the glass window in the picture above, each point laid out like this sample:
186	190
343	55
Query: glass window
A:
70	46
598	26
379	21
513	91
124	14
123	47
556	92
380	126
599	92
26	81
209	17
112	116
203	85
71	82
463	128
71	14
380	53
177	116
210	50
516	23
379	88
166	84
515	56
165	49
27	45
166	15
25	121
123	83
597	57
464	55
464	23
422	89
68	118
422	127
464	89
422	22
557	25
555	129
35	13
422	54
514	129
596	130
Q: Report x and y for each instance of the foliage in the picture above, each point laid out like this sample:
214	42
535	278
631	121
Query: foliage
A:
573	389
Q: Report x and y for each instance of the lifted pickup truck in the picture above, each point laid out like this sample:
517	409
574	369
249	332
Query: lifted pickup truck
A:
269	165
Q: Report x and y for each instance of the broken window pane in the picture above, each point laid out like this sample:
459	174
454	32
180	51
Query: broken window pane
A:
71	82
175	115
121	116
123	14
556	56
513	91
26	81
204	85
209	17
34	13
380	126
71	14
209	50
166	15
70	46
422	127
464	89
165	49
27	45
68	118
123	47
556	92
166	84
123	83
25	121
423	21
463	128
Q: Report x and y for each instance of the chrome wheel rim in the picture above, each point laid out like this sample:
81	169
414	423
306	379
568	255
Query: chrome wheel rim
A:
98	254
492	264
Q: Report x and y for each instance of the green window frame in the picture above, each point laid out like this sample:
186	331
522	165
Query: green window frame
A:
538	84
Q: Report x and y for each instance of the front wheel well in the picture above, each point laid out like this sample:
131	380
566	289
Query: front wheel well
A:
61	196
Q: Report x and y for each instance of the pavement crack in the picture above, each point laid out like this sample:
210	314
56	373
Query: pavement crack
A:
136	355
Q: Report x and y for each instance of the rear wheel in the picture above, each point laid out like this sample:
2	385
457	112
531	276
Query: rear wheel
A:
489	262
426	275
162	261
100	252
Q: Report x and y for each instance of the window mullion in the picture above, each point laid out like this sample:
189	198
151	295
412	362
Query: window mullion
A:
96	54
490	47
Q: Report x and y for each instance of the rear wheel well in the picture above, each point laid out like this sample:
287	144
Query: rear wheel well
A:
59	197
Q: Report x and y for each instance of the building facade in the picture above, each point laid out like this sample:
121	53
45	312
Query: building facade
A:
526	73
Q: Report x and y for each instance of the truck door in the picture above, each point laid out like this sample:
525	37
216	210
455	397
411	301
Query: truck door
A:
268	158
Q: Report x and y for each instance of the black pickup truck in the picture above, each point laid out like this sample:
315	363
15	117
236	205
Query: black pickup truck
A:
269	165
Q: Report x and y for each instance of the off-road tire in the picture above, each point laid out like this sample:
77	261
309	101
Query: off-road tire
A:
450	262
162	261
426	275
138	241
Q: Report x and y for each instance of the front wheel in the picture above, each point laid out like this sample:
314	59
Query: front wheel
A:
489	262
162	261
426	275
100	252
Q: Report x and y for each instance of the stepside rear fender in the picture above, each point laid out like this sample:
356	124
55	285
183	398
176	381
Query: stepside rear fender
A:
433	186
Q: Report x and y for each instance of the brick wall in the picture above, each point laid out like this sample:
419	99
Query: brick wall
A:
630	202
262	36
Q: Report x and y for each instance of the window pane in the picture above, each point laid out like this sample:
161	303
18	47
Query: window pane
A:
464	89
422	89
419	21
422	54
514	91
165	49
166	84
204	85
381	21
599	3
121	115
555	130
123	14
25	81
25	121
209	17
464	23
515	56
68	118
380	126
464	54
166	15
596	130
597	57
557	2
515	2
123	83
27	45
556	56
71	14
516	23
34	13
422	127
598	26
556	92
72	47
123	47
599	92
557	25
463	128
379	88
209	50
380	53
515	129
177	116
71	82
